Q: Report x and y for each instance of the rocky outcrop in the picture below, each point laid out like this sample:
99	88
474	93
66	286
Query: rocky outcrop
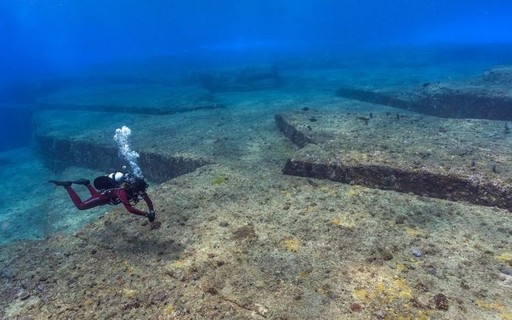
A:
153	99
248	79
488	97
458	160
60	153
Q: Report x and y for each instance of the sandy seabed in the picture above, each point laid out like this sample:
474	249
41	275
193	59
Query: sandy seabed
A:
240	240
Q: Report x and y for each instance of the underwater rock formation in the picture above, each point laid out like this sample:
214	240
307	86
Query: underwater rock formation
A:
487	97
249	79
61	153
410	153
154	99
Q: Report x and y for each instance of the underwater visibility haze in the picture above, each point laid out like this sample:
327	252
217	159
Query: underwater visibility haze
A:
59	36
305	159
43	41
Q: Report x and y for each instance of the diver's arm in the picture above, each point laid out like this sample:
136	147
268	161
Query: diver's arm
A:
125	200
149	203
151	215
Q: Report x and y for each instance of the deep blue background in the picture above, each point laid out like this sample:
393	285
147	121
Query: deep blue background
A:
41	38
48	35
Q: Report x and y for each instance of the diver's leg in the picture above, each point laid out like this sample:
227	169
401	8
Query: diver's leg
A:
87	204
87	183
93	192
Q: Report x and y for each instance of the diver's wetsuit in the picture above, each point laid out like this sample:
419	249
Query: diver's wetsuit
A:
111	196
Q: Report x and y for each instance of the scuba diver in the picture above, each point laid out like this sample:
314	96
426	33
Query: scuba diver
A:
112	189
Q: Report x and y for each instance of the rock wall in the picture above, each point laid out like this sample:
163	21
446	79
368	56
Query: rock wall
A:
487	97
61	153
411	158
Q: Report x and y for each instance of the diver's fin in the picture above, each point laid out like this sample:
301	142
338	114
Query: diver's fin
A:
61	183
82	181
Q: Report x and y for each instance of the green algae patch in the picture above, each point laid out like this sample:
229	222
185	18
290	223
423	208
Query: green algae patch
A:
505	257
219	180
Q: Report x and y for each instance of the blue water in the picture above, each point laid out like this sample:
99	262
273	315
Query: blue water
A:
48	37
50	45
42	39
273	248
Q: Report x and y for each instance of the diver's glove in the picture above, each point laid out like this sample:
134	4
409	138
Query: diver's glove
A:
151	215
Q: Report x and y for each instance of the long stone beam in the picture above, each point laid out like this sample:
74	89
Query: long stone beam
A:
60	153
458	160
168	145
165	110
487	97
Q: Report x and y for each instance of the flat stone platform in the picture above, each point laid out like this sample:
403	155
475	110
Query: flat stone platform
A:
75	127
156	99
169	145
485	97
454	159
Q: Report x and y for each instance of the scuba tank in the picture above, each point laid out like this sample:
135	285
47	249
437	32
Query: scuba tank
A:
111	180
118	177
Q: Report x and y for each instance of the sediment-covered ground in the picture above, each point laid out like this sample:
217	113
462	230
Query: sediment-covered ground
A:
237	239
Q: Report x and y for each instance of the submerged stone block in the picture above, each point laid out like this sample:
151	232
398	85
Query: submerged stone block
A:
487	97
85	139
458	160
500	76
151	99
248	79
127	109
60	153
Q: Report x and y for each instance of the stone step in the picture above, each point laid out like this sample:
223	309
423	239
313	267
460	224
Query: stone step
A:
238	79
60	153
168	145
161	110
487	97
454	159
152	99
